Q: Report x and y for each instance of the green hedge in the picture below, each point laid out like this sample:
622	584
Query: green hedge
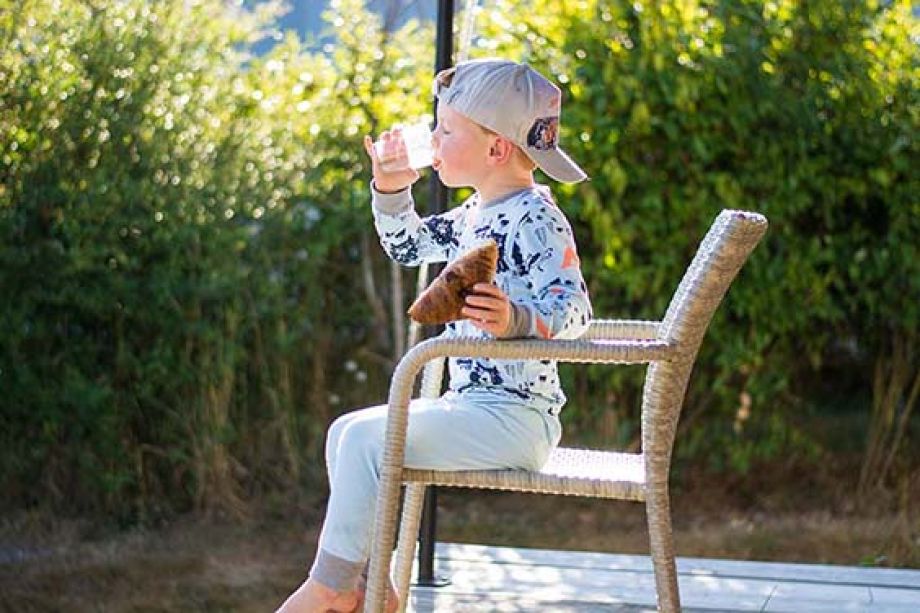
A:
806	112
183	229
191	287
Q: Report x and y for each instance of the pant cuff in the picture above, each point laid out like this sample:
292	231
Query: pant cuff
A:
336	573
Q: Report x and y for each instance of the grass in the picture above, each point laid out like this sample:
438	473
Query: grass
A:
193	564
817	536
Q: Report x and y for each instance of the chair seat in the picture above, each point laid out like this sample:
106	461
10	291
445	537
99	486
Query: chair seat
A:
569	472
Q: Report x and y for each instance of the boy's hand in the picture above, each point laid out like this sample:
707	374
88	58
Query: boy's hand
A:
488	309
389	182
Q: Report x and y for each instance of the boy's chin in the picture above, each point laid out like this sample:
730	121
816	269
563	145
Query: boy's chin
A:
451	182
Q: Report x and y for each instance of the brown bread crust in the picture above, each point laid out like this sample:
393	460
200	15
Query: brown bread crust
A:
443	300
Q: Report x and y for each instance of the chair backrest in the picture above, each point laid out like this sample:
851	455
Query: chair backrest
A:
731	238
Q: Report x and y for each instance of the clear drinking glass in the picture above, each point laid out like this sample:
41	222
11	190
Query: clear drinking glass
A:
413	150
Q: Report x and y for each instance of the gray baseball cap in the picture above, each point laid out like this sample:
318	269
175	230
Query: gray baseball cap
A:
517	102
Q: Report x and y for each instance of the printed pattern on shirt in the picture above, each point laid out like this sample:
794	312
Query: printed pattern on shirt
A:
538	269
410	240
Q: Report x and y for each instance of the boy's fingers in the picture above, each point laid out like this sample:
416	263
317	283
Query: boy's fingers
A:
488	288
487	302
480	315
369	147
470	311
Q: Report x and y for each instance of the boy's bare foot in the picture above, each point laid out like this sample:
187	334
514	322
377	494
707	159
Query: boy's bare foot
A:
314	597
392	604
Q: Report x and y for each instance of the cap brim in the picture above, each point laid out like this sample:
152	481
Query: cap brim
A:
557	164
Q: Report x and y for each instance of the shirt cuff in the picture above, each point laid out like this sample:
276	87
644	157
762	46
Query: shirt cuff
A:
519	326
391	204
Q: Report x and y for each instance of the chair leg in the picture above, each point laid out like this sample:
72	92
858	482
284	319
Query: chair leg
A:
661	544
408	537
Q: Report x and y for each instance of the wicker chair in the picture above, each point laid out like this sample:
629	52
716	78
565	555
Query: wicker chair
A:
669	346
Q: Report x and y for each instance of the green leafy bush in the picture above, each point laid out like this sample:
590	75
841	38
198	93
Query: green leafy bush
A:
805	112
190	287
182	227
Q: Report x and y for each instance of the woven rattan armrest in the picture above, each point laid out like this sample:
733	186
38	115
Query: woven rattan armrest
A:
635	329
594	350
586	351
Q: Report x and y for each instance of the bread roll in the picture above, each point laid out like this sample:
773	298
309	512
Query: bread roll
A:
443	300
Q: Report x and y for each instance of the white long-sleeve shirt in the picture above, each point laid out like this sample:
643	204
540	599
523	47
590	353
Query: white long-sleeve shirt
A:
538	268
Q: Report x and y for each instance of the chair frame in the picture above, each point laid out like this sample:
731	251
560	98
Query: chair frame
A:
669	347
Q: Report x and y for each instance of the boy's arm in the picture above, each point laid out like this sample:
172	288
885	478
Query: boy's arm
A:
543	252
406	237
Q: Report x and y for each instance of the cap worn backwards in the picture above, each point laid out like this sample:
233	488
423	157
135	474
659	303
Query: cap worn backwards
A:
517	102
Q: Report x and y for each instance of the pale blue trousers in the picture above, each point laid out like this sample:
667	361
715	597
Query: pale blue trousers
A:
454	432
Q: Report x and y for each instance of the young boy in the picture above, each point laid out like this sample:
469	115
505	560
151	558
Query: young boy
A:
497	121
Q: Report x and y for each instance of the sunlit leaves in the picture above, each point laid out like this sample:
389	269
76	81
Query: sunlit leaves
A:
793	109
170	205
183	221
806	112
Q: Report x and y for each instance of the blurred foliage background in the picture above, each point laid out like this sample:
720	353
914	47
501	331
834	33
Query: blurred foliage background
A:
191	288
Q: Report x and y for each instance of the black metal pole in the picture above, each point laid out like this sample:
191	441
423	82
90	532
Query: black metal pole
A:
444	51
439	195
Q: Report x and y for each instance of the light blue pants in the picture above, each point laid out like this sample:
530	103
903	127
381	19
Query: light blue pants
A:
453	432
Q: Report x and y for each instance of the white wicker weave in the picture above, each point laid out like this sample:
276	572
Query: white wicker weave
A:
670	348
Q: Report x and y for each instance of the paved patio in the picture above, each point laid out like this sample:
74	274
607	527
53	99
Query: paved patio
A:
506	579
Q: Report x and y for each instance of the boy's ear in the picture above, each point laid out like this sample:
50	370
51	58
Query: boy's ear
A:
501	150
